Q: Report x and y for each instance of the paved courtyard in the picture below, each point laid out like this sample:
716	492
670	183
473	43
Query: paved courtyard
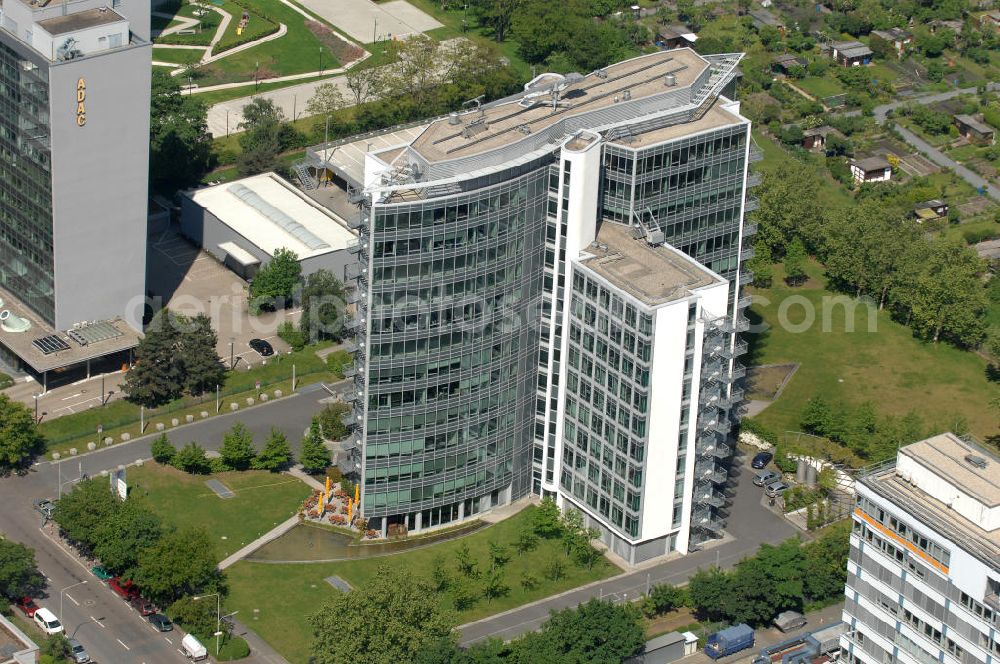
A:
190	281
367	21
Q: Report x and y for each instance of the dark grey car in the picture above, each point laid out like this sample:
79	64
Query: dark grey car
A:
80	655
160	622
765	477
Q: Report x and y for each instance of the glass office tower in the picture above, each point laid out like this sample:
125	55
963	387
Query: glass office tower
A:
473	229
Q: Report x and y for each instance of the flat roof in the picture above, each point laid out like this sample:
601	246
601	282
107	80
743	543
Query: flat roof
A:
503	124
272	214
945	454
71	350
88	18
653	274
974	123
715	118
349	158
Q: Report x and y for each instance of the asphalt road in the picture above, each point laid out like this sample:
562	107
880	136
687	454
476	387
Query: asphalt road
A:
750	523
110	629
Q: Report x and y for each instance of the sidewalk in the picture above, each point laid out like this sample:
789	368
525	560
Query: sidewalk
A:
269	536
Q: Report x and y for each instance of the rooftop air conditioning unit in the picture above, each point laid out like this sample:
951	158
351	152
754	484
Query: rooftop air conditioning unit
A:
669	80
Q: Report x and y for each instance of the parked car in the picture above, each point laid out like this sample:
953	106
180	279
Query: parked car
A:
101	573
765	477
761	459
143	606
124	589
262	347
80	655
27	606
160	622
46	507
47	621
775	489
192	649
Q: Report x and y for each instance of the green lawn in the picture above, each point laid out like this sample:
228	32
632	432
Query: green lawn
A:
821	86
210	21
297	52
885	365
262	501
276	599
180	56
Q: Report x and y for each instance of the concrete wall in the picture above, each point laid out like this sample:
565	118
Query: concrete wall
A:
100	185
207	231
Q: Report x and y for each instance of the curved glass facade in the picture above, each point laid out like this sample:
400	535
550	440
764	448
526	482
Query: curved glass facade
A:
452	350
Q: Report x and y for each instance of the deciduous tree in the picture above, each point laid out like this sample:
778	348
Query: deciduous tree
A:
19	575
127	531
180	147
389	620
275	282
947	299
20	440
81	512
181	563
323	307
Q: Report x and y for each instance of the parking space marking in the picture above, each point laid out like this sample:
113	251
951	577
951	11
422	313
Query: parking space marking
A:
168	640
97	621
70	598
123	644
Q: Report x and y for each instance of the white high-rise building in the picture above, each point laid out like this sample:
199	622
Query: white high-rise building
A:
923	582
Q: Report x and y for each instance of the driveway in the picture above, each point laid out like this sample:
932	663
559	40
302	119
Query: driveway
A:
225	117
750	524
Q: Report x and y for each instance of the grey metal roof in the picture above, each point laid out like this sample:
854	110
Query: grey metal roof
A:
276	216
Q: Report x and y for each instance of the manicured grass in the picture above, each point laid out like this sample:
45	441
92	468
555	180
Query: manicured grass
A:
821	86
275	600
256	27
180	56
121	416
210	21
884	365
262	500
296	52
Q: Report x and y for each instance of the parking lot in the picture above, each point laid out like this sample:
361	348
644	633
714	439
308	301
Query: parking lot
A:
189	281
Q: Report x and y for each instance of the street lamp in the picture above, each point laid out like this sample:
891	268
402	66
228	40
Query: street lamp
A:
63	592
218	617
320	60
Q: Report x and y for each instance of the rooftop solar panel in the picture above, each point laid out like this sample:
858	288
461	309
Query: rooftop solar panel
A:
50	344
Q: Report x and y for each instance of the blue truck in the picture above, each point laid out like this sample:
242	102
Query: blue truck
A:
730	640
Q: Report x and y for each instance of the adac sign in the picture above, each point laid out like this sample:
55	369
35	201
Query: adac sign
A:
81	105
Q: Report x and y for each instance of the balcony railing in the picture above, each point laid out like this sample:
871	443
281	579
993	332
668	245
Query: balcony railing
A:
751	205
744	302
357	222
746	277
748	253
749	229
754	179
709	496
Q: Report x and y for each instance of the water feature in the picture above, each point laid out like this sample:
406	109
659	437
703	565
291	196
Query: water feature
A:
312	543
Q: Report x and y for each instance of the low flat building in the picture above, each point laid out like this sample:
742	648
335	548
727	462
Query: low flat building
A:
675	36
896	38
850	53
666	648
974	129
815	138
16	647
783	64
871	169
930	210
762	17
243	223
923	572
937	24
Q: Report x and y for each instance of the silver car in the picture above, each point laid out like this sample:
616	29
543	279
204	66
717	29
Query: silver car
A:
765	477
80	655
775	489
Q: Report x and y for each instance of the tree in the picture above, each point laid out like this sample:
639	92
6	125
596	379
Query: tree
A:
365	83
947	298
584	552
181	563
314	457
330	419
546	519
526	541
495	586
157	376
57	648
265	135
768	583
499	555
795	262
761	265
276	281
180	147
572	524
495	15
710	592
664	598
326	100
237	450
80	512
19	575
192	459
195	616
322	307
598	632
197	355
20	440
119	538
390	619
440	577
163	450
785	209
466	564
825	569
276	455
817	416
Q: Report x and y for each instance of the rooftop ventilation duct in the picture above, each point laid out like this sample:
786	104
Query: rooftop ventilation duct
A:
12	323
277	217
669	80
977	461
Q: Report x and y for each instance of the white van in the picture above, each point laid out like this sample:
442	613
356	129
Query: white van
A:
48	621
192	648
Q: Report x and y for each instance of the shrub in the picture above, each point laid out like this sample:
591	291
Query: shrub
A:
292	335
163	450
192	459
976	235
